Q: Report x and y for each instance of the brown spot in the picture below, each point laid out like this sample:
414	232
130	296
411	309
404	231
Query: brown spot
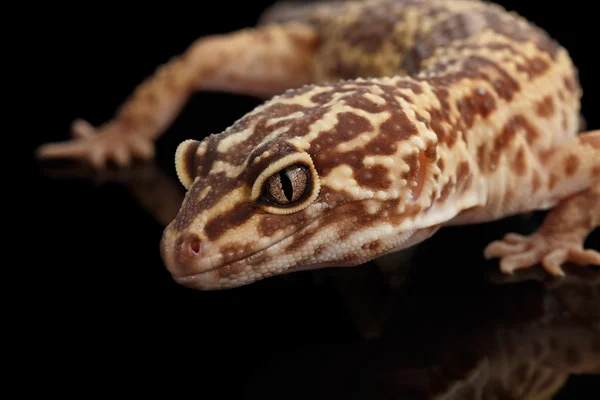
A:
463	175
572	356
446	191
520	162
220	224
441	164
481	157
533	67
441	115
351	125
479	68
565	120
375	177
479	103
536	182
596	172
545	107
571	164
507	134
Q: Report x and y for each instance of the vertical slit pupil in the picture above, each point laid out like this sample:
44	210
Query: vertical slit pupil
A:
286	184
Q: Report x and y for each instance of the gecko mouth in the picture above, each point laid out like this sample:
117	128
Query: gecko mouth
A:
223	272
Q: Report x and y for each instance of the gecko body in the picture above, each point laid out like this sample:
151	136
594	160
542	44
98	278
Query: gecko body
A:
385	121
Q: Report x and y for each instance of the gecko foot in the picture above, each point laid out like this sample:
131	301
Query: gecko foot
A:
99	146
519	252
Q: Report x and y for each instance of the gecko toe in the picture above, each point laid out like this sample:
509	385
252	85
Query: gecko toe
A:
500	248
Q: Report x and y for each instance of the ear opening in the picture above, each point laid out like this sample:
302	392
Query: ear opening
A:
185	162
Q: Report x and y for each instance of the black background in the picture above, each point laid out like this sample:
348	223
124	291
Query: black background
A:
104	311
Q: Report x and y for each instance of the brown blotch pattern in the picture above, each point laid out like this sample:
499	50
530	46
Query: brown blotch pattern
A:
571	164
220	224
554	178
536	181
545	107
446	191
464	176
510	130
520	162
479	103
533	67
375	26
478	68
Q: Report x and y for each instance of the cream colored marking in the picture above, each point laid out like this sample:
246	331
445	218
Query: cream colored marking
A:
340	178
263	155
204	193
236	138
231	171
374	98
297	114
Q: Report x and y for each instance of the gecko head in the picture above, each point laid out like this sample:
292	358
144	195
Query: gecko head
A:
267	198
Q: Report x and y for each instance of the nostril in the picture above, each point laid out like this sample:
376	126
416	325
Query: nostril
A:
195	244
189	245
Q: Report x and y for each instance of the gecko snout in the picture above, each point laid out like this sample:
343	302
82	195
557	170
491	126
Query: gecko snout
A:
181	253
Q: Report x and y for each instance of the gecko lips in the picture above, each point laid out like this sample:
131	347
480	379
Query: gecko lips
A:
199	264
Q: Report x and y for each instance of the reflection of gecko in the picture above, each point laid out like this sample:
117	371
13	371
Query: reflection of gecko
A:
469	342
465	114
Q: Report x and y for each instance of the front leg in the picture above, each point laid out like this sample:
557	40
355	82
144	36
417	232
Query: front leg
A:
262	61
560	238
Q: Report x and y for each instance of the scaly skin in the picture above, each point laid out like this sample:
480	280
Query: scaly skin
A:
403	117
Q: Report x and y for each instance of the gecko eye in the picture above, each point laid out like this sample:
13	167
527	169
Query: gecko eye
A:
287	187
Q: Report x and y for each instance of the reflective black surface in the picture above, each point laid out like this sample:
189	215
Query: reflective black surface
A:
106	312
